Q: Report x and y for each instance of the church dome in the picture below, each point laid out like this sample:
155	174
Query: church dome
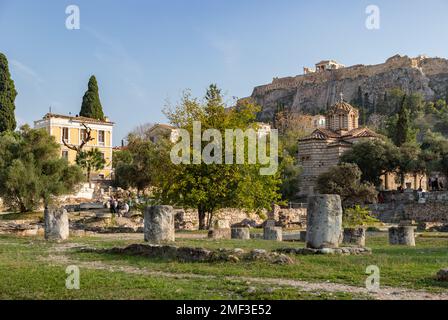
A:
342	116
342	106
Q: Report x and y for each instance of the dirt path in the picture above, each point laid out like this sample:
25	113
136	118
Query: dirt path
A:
385	293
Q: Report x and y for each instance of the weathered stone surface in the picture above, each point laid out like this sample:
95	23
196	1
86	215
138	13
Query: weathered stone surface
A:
188	254
270	223
402	236
355	236
246	223
220	234
324	221
442	275
221	224
273	233
159	224
91	206
56	224
303	236
329	251
241	233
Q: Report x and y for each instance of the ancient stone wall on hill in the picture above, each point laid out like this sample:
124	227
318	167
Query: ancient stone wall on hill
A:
313	92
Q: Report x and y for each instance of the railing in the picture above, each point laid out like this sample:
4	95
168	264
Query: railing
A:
297	205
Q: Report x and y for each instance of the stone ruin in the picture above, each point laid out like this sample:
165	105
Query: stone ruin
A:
354	236
188	254
240	233
56	224
273	233
324	221
221	230
159	224
324	230
402	235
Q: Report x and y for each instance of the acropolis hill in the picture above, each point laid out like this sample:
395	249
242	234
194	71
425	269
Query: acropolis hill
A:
317	89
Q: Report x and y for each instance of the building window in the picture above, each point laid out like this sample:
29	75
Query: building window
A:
101	137
65	154
103	156
65	135
83	134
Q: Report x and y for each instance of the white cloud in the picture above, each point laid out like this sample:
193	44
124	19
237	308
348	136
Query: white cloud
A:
26	71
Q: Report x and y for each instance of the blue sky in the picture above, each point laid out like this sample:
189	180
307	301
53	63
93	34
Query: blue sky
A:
146	52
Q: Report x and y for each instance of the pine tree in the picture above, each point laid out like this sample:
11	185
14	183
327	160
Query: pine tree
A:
8	94
91	104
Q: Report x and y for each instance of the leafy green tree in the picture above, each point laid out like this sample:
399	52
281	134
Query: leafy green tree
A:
91	104
374	158
90	160
434	153
141	164
358	217
345	180
8	95
210	187
31	170
410	161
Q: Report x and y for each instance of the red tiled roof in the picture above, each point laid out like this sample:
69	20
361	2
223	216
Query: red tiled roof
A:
321	134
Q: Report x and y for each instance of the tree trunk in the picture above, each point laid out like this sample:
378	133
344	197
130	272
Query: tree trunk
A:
202	214
88	178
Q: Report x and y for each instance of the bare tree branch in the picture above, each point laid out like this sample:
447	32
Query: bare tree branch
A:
85	140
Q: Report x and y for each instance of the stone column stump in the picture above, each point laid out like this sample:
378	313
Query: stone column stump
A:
241	233
355	236
56	224
159	224
403	235
220	234
273	233
324	221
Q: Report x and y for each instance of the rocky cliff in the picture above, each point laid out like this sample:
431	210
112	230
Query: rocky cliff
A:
311	93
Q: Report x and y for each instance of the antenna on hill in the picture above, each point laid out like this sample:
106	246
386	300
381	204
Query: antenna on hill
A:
50	109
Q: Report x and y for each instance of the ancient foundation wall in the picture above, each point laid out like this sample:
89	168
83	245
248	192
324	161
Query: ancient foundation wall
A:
420	207
188	219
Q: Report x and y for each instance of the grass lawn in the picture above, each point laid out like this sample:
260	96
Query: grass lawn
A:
26	272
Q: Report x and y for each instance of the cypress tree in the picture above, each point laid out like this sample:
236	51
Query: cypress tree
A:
403	130
91	104
8	95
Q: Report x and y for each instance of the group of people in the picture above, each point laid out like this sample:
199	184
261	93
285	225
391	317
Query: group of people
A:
119	208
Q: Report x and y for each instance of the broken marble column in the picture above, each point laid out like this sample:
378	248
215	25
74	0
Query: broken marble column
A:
241	233
324	221
355	236
402	235
159	224
56	224
273	233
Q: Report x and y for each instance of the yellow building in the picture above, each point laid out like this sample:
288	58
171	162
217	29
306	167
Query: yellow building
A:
74	130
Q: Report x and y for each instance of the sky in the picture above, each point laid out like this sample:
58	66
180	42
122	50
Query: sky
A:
145	53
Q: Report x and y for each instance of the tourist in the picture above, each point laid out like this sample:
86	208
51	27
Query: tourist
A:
115	206
125	209
111	204
436	184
